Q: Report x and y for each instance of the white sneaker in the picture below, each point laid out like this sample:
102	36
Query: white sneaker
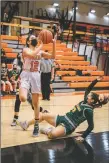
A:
24	125
14	122
45	130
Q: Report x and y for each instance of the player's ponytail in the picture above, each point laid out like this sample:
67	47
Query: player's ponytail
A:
105	101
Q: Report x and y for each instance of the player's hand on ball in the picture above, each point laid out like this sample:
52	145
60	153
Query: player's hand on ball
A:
80	139
99	78
54	40
40	41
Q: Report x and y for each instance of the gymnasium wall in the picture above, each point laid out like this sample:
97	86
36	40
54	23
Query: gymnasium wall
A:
83	14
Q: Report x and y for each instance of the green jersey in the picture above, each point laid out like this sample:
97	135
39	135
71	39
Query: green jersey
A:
79	114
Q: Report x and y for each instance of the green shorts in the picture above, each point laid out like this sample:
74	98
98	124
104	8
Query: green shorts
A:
61	120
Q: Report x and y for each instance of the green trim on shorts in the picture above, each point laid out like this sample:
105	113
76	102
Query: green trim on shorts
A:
61	120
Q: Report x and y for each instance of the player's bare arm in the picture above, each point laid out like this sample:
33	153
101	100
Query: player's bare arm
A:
48	55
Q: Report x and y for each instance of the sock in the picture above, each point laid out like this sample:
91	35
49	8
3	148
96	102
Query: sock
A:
16	117
36	120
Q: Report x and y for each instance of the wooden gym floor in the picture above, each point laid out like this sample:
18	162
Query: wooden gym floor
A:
19	145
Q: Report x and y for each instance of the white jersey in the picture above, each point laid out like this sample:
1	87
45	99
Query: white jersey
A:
30	76
32	64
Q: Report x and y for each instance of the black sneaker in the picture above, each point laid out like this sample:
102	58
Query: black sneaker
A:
36	129
43	110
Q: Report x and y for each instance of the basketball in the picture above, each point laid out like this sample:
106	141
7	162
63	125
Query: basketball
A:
46	36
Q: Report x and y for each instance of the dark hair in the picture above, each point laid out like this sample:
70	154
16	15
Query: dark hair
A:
95	97
27	41
105	101
97	102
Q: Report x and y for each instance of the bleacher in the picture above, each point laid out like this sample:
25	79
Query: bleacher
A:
69	62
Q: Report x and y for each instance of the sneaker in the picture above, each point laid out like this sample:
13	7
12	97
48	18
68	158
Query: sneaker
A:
46	130
14	122
24	125
43	111
36	130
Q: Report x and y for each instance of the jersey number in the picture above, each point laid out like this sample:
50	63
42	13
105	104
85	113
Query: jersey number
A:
34	66
76	108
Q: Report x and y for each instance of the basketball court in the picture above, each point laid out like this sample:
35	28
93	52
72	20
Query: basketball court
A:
15	142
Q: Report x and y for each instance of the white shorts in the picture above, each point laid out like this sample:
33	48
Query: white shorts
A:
30	80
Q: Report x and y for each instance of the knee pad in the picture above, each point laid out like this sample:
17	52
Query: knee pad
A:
17	97
17	104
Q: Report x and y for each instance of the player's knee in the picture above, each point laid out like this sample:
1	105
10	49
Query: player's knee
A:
23	99
51	135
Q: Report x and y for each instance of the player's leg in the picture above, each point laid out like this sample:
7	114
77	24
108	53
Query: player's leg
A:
63	127
24	86
53	133
23	94
29	99
35	102
16	110
58	123
35	83
43	116
48	78
43	86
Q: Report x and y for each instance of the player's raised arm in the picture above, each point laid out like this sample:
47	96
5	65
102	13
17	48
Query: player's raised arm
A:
90	87
48	55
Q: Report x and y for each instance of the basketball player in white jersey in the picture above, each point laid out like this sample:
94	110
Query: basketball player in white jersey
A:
30	76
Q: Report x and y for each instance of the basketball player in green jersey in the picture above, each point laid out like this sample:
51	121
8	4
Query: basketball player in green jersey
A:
65	125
